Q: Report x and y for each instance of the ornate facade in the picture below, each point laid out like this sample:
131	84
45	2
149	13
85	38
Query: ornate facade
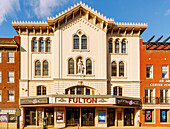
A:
80	68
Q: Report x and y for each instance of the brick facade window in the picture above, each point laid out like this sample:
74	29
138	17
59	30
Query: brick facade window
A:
0	57
11	97
10	57
165	71
149	71
11	77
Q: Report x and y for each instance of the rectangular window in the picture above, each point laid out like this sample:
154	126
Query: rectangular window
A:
149	71
149	115
12	118
116	47
164	71
149	96
72	91
163	95
11	57
0	77
11	77
11	95
0	95
110	46
0	57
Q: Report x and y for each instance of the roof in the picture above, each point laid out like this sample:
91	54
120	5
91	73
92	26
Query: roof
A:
7	42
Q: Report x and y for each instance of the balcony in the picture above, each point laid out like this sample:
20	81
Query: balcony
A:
156	100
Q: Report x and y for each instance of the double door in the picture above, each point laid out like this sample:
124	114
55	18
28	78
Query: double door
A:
128	117
110	117
87	116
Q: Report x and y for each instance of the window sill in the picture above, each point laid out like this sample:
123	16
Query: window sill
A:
78	50
10	82
10	62
118	77
149	122
42	76
164	122
118	54
10	101
41	52
77	75
149	78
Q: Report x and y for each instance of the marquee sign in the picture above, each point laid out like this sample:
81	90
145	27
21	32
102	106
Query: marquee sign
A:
127	102
34	101
85	100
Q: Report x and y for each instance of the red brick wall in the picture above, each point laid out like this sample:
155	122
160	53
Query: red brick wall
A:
4	68
157	60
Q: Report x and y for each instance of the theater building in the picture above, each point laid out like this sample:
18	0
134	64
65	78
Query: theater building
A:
80	68
155	82
9	79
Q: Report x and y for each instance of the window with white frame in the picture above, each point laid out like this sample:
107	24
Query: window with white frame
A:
163	95
48	45
110	46
149	71
117	46
0	95
149	115
10	57
11	97
11	77
88	66
80	90
34	45
123	46
114	68
149	96
41	46
0	76
41	90
0	58
75	42
37	68
45	68
165	71
117	91
71	66
80	41
121	69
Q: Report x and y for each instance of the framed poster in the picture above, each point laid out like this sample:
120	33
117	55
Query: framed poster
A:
60	117
101	116
163	115
148	116
3	118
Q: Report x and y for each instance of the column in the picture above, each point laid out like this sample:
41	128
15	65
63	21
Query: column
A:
80	118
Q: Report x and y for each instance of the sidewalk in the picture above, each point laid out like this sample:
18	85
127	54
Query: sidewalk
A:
33	127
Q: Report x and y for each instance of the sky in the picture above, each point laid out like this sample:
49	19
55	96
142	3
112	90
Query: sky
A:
154	12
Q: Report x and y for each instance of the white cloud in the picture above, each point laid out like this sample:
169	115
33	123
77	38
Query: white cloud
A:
167	12
44	8
8	8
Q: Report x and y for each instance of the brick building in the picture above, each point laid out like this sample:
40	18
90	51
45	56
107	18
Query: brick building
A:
9	79
155	83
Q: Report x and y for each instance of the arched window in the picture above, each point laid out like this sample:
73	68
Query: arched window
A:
45	68
83	42
71	66
117	46
80	90
114	68
37	68
34	45
88	66
123	46
121	69
76	42
48	45
117	91
110	46
41	90
41	47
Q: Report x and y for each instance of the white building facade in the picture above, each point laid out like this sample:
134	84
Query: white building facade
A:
80	68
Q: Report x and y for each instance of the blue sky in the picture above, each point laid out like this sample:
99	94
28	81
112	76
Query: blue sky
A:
154	12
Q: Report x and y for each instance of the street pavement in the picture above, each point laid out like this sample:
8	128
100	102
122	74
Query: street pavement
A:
131	127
